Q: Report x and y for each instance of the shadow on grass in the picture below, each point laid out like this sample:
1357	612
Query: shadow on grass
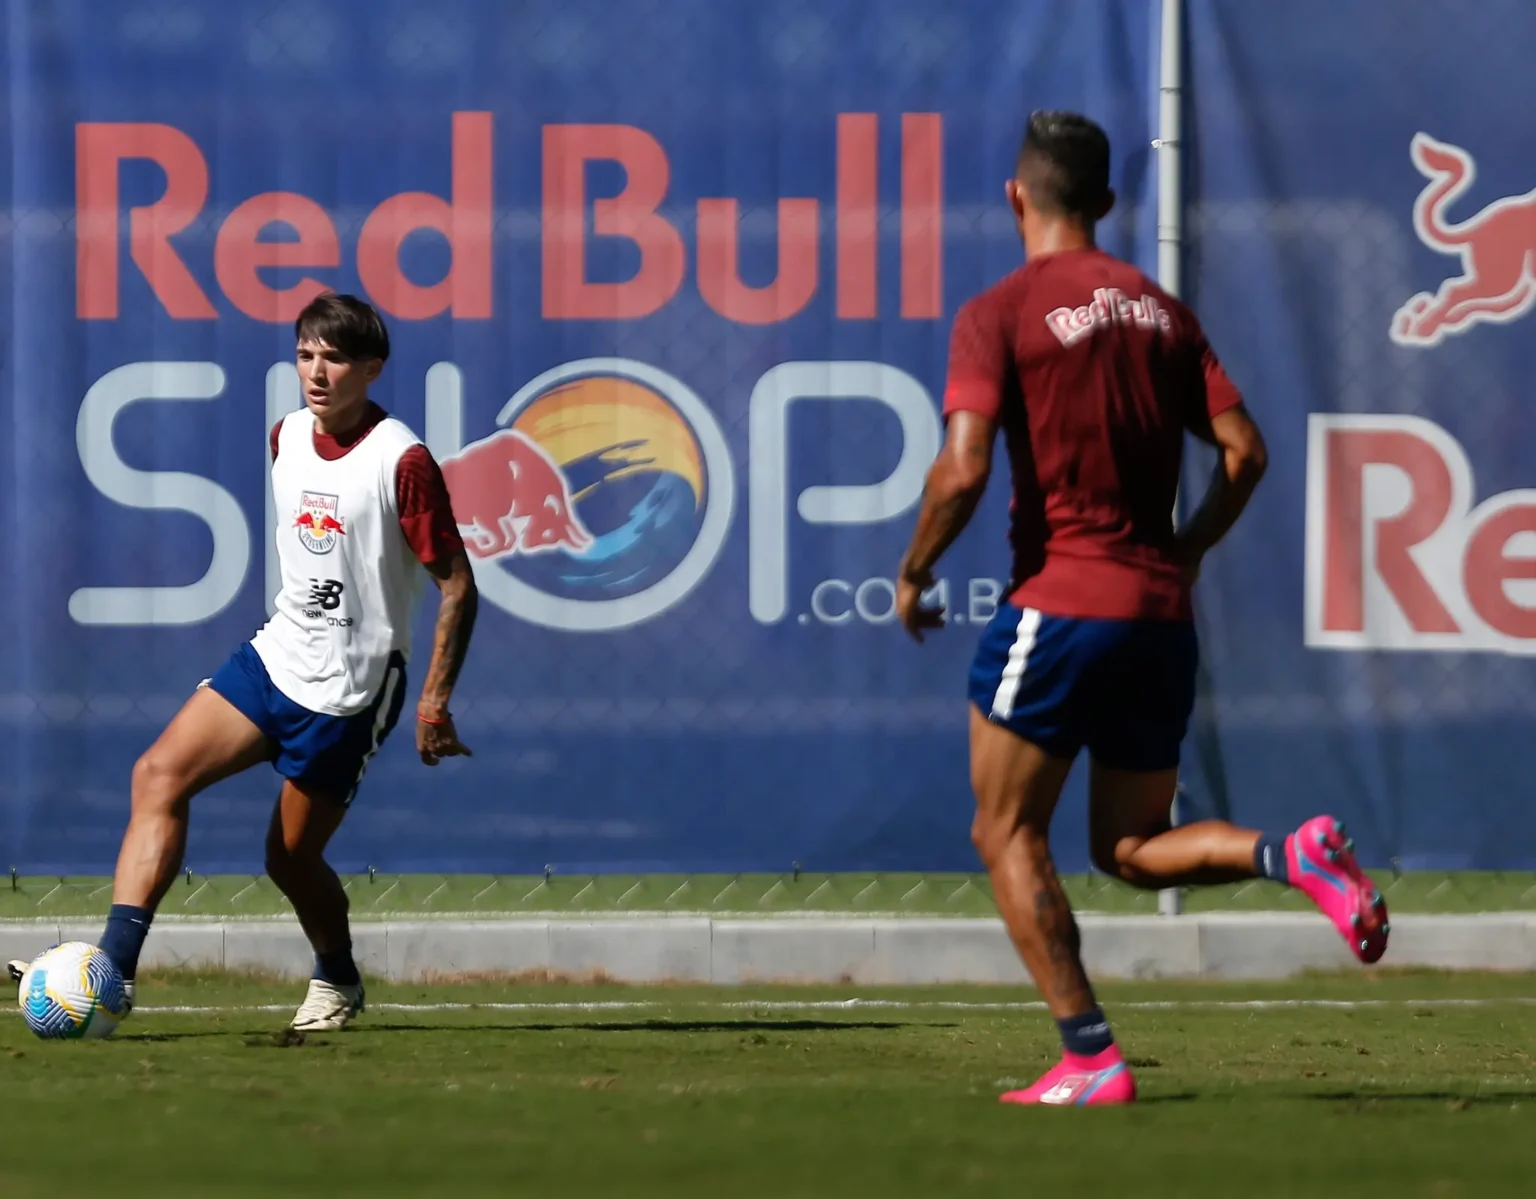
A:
170	1038
287	1038
283	1038
661	1026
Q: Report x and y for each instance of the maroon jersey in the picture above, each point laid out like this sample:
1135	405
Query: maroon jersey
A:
421	495
1093	373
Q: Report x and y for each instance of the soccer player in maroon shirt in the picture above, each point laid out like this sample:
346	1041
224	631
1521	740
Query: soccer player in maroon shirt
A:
1094	374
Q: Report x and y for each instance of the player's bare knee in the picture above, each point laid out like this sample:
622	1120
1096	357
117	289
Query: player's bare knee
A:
157	785
283	866
991	833
1114	854
282	863
292	859
984	839
995	833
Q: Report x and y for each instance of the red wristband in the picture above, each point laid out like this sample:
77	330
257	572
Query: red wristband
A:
447	716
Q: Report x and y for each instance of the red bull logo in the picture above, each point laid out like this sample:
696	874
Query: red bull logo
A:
602	501
1496	245
318	524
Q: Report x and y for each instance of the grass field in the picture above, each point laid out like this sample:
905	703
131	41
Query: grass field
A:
1402	1084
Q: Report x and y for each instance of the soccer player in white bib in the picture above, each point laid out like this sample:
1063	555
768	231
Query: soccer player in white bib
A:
361	506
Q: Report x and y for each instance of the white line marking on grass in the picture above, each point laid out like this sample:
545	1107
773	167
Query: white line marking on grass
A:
810	1005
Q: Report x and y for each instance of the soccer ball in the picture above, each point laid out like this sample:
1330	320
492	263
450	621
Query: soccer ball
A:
72	991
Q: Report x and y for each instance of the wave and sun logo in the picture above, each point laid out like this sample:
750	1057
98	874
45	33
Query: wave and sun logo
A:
601	502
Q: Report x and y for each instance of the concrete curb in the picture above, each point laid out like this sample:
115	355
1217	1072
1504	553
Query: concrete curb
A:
702	949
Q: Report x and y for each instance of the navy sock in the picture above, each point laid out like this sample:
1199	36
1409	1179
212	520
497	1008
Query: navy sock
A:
337	968
123	940
1086	1035
1269	860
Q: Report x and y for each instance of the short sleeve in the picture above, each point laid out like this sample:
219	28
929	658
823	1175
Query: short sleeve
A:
979	360
1211	391
276	429
426	512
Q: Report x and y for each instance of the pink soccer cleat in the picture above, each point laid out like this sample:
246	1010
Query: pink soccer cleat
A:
1081	1081
1321	861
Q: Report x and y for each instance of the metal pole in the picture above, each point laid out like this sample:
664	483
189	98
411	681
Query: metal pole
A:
1170	191
1170	228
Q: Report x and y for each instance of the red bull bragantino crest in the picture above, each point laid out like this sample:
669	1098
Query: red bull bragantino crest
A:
318	522
1497	247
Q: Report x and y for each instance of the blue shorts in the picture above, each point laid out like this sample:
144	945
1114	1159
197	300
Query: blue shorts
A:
327	753
1122	688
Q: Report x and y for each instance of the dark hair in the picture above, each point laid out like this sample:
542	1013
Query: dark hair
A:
1064	164
346	323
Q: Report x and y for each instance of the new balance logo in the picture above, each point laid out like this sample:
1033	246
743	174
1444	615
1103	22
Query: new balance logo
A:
325	596
325	593
1110	306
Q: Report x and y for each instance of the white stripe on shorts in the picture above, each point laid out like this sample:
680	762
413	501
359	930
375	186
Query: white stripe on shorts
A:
1018	659
386	698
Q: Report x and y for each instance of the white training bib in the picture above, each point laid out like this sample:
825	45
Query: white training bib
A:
349	578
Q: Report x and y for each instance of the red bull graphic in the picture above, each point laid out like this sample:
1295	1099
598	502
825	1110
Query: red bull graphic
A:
509	497
1497	247
318	524
602	501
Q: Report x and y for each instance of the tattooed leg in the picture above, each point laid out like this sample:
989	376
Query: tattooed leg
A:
1017	785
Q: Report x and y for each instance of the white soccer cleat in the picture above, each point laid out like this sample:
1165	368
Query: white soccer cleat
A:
327	1007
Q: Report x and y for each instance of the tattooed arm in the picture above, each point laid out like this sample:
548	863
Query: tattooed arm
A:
427	522
436	738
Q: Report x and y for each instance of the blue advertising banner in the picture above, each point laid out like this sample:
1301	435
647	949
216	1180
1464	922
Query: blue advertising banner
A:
691	265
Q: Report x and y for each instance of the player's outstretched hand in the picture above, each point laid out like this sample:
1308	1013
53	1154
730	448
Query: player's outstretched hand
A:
916	617
438	739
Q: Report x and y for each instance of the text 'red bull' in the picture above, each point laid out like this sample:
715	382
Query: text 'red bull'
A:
466	221
509	497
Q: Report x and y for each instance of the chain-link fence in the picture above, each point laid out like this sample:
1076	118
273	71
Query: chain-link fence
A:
376	896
